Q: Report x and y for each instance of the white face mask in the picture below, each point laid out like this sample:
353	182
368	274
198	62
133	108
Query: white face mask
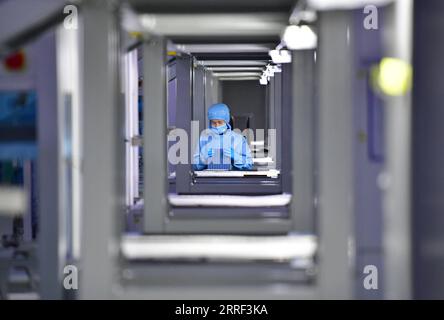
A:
220	129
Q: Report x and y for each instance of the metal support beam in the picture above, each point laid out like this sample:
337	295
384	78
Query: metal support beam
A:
278	106
221	69
215	24
155	135
15	33
199	99
302	140
219	48
184	80
48	177
335	154
397	225
103	153
237	74
238	78
233	63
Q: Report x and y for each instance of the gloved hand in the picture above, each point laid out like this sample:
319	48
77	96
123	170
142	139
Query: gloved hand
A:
228	152
205	157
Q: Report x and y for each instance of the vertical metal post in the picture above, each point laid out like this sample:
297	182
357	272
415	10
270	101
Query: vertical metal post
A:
103	141
132	126
207	94
302	140
154	135
48	178
396	221
27	218
199	97
278	116
335	154
271	119
184	112
272	107
287	127
212	91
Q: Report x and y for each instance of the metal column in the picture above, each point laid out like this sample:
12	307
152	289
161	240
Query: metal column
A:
278	101
428	153
48	178
335	155
199	97
397	227
184	113
103	141
154	135
212	91
302	140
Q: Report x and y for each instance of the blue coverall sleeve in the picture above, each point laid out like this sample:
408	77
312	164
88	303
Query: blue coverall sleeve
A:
242	159
199	158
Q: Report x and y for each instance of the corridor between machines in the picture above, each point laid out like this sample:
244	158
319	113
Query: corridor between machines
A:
219	149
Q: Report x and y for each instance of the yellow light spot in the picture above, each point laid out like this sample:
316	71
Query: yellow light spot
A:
362	136
172	53
135	34
392	76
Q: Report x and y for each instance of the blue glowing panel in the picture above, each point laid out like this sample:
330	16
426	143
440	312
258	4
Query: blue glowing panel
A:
18	129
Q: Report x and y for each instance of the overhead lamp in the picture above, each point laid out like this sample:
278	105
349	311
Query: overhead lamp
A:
276	69
280	56
268	73
263	80
299	37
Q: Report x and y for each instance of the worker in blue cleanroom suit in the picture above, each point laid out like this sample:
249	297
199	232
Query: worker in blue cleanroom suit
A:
219	146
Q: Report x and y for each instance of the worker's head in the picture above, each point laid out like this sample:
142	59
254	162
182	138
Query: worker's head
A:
219	117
